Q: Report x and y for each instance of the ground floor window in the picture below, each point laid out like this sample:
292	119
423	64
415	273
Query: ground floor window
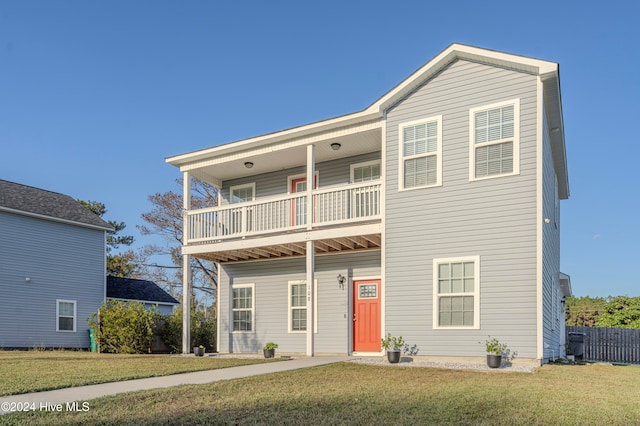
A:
298	306
242	307
456	295
66	315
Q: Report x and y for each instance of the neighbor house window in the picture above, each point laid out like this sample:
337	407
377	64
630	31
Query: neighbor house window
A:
456	294
495	140
242	307
298	306
66	315
421	153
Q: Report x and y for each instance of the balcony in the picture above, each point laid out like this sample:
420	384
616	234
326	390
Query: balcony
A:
345	217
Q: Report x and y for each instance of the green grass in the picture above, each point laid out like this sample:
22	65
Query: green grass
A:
32	371
348	393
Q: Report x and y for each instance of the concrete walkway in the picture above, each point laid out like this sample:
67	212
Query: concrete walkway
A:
85	393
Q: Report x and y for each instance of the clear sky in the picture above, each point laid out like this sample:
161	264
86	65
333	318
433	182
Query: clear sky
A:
95	94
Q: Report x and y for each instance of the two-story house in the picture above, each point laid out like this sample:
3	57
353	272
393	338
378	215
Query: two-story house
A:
432	214
52	268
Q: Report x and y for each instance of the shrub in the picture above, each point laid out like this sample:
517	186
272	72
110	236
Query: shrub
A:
124	327
203	331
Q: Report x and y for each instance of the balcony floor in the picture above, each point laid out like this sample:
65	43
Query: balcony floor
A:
293	249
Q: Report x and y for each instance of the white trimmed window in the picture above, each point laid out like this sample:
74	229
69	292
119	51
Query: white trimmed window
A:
242	307
298	306
243	193
363	172
66	315
420	153
456	293
495	140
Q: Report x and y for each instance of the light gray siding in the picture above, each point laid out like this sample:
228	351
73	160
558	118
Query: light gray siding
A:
270	279
63	262
494	219
553	310
270	184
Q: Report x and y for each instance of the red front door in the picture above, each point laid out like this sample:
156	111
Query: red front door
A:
299	207
366	316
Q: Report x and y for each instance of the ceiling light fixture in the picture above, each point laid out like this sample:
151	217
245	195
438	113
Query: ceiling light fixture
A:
248	164
335	146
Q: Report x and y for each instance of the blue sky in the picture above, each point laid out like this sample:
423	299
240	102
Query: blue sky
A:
94	95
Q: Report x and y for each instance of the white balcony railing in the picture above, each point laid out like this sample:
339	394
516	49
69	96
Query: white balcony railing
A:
335	205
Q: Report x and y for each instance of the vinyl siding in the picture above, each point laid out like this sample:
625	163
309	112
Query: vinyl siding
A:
64	262
492	218
271	302
271	184
553	314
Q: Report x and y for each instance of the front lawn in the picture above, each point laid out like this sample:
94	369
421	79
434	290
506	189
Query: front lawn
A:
349	393
32	371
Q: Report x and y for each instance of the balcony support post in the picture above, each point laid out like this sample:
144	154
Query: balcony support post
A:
310	255
186	270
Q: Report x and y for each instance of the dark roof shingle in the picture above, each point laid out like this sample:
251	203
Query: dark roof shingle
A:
132	289
28	199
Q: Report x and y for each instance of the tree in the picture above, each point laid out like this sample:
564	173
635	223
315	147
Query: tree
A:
118	265
621	312
584	311
165	220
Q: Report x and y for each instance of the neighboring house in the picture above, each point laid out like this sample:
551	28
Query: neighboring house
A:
434	214
147	292
52	268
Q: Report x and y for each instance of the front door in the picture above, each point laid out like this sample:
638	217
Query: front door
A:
299	207
366	316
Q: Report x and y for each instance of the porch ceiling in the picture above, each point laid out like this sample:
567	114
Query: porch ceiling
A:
293	249
285	155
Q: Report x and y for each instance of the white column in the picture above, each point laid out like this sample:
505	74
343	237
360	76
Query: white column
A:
186	270
310	263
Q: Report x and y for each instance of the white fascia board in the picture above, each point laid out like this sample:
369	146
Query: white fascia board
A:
271	138
55	219
461	51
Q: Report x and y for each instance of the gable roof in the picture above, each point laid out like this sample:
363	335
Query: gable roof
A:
35	202
548	73
138	290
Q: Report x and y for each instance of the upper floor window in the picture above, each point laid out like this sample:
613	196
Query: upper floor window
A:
66	315
456	293
495	140
242	193
363	172
421	153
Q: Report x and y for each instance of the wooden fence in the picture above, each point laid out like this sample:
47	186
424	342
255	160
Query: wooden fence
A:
619	345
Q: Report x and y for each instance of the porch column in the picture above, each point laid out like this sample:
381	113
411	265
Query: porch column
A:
186	270
310	263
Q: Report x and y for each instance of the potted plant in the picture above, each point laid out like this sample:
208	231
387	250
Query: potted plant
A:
270	349
495	350
199	350
392	345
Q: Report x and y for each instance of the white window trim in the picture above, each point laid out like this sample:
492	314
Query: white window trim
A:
315	306
75	315
476	292
402	158
515	139
253	306
299	176
251	185
364	164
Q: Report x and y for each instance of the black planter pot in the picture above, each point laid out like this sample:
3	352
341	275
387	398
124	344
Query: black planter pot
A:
269	353
494	361
393	356
198	351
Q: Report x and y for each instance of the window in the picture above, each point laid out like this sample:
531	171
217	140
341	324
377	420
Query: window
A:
364	172
495	140
66	315
421	153
456	293
298	307
242	193
242	305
